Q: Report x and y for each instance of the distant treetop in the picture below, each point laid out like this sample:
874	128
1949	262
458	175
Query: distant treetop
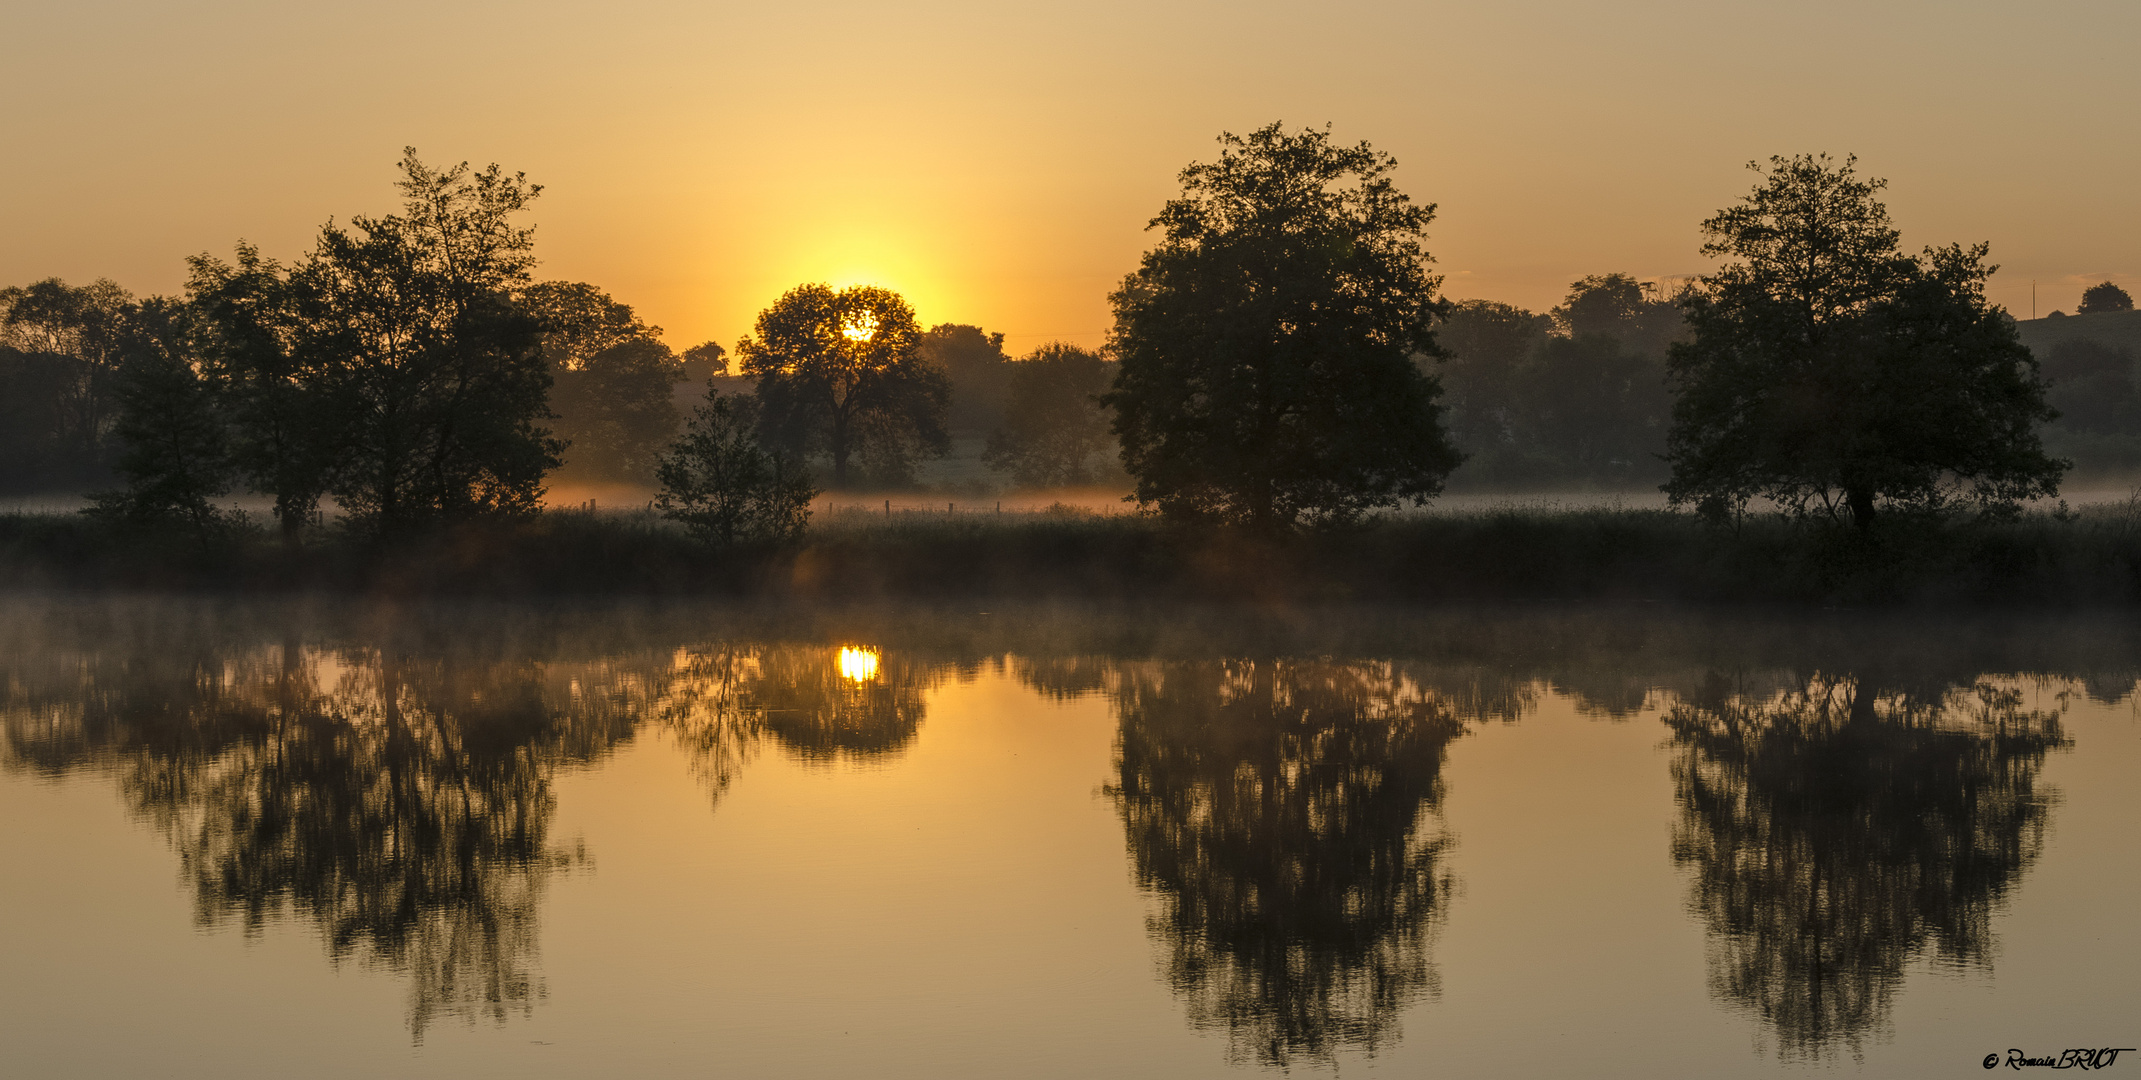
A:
2104	297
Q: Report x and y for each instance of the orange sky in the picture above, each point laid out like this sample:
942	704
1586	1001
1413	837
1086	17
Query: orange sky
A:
997	163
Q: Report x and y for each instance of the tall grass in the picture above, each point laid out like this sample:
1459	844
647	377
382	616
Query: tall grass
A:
2091	557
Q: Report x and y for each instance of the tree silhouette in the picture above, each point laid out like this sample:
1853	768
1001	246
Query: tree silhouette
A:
973	359
61	349
1275	808
2104	297
1053	425
1836	829
1266	344
175	459
842	373
723	486
1827	371
612	380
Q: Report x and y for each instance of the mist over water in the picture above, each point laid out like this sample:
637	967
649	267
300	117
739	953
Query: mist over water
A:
1053	842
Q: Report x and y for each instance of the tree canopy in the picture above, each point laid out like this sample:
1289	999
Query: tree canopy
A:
2104	297
1053	427
1829	372
394	367
841	373
612	380
1266	343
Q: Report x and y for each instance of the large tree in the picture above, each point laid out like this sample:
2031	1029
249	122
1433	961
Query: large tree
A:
841	373
395	367
434	370
1267	341
1829	372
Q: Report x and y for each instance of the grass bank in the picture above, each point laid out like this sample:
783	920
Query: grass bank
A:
2089	558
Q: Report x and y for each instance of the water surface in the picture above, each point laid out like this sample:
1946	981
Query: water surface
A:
281	838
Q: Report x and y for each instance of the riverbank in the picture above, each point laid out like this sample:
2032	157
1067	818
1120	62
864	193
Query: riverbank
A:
2090	557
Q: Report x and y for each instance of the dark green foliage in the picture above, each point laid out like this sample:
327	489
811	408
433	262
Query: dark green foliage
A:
980	374
1266	343
174	459
1053	426
724	487
2097	299
841	374
1829	372
612	381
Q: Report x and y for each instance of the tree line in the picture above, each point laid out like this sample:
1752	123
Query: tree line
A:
1282	355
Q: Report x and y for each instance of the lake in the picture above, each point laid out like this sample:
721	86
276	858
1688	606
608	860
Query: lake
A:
330	838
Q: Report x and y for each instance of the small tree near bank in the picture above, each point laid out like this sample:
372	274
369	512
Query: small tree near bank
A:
1831	373
2104	297
1053	427
724	487
1266	343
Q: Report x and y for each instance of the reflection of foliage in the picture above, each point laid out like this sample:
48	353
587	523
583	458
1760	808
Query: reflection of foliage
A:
402	808
1835	831
1274	807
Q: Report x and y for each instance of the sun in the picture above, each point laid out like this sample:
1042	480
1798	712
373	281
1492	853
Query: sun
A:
862	327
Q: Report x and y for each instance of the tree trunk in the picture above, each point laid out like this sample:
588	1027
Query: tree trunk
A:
1861	503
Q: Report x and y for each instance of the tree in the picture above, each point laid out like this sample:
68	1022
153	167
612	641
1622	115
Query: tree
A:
283	437
704	361
974	360
1593	408
431	369
611	380
1828	371
175	458
724	486
59	376
1266	343
841	373
2104	297
1053	424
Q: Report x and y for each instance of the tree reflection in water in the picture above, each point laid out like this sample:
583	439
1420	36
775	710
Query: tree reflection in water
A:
822	703
1837	827
1275	807
402	807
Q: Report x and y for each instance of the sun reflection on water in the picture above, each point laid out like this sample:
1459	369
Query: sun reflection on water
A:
858	664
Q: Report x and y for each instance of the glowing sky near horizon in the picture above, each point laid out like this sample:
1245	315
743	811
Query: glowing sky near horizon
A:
998	163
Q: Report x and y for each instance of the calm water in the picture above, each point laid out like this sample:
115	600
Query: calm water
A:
278	839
